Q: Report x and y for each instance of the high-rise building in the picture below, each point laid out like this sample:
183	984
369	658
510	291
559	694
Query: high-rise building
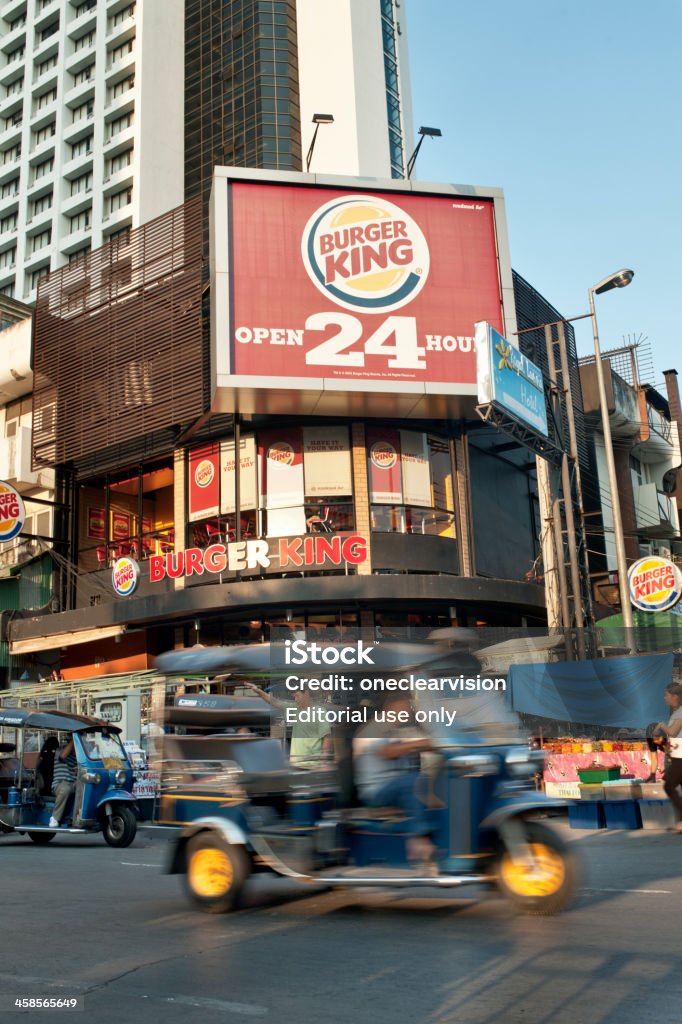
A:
114	112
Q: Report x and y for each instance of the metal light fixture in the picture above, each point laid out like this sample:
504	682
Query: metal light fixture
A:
621	279
618	280
433	133
318	119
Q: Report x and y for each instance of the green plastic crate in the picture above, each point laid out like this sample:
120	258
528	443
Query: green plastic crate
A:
592	775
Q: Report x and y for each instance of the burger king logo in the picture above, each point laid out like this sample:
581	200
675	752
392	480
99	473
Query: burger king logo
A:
282	453
655	584
365	254
204	473
383	455
124	576
12	512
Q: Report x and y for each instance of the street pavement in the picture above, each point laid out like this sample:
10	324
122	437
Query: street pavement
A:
82	919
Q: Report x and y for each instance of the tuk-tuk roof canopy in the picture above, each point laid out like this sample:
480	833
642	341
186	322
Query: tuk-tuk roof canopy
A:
56	721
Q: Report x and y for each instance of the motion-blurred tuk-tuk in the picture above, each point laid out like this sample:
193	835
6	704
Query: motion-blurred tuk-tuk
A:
245	809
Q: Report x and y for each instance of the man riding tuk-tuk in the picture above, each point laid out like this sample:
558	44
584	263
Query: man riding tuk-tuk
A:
478	816
79	786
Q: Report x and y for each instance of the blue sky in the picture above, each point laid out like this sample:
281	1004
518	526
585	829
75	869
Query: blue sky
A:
573	107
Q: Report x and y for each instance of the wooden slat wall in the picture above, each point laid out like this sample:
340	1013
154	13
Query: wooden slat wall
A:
119	350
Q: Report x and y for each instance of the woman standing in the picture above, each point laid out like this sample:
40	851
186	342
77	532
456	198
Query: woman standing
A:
673	730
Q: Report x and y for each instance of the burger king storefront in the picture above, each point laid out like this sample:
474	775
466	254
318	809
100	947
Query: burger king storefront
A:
304	450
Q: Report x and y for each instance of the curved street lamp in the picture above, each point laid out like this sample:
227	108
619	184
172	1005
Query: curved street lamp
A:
621	279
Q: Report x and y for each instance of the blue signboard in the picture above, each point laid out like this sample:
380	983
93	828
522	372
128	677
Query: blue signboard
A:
509	379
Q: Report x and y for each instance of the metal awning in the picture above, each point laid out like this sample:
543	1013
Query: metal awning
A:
56	640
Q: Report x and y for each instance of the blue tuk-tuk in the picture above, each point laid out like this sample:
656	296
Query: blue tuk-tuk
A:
102	800
263	814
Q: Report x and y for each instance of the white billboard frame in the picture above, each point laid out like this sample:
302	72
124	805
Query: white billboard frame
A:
249	394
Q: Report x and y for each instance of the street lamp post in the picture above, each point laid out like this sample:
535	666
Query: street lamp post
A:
432	133
618	280
318	119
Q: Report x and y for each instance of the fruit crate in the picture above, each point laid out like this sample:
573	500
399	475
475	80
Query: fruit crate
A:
596	775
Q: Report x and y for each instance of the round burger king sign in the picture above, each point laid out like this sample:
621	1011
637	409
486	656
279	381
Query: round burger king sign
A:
365	253
655	584
383	455
12	512
124	576
204	473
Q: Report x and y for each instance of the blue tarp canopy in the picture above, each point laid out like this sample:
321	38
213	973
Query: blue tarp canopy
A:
624	693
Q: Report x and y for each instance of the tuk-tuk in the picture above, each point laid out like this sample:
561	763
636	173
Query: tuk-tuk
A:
309	825
102	801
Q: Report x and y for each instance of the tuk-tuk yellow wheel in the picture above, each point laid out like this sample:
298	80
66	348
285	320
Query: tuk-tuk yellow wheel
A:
547	885
216	872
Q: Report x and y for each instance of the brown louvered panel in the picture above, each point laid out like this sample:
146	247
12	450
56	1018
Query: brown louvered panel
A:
119	341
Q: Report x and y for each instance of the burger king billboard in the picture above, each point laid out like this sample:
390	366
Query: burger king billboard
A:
352	294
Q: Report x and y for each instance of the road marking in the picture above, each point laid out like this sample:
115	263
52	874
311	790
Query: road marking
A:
245	1009
139	864
648	892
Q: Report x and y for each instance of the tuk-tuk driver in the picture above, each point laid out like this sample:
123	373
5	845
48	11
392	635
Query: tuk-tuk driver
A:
386	769
63	781
311	742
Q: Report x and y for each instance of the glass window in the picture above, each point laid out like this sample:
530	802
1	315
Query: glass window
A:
411	483
80	222
126	514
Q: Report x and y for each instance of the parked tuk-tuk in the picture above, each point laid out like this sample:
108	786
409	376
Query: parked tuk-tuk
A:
102	800
263	814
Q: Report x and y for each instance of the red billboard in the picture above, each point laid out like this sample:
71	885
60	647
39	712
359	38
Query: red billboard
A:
341	284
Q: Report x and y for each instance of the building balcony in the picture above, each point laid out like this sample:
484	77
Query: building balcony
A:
12	104
75	240
15	459
33	260
40	187
46	48
81	92
42	116
43	150
121	104
659	441
8	240
9	203
119	65
43	78
10	40
36	222
7	274
76	203
115	218
11	135
80	59
118	180
13	9
120	141
78	130
9	169
117	34
11	71
655	511
83	23
45	13
621	400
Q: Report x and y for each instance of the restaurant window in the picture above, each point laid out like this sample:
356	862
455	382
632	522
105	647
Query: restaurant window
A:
411	486
126	514
293	480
